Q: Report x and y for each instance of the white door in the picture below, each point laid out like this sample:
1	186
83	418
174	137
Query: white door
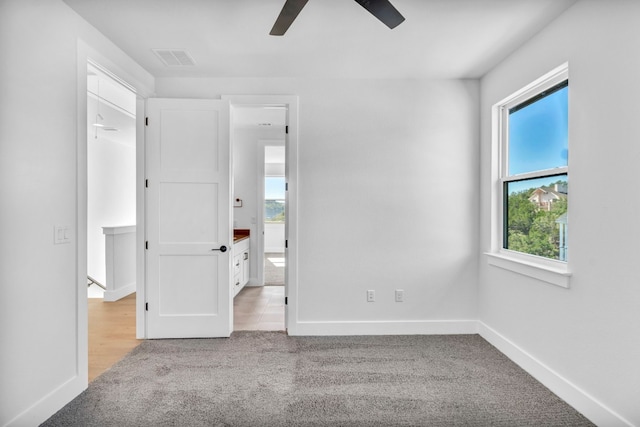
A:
188	219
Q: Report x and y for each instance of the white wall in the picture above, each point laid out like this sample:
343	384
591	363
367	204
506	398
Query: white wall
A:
111	173
274	234
388	199
43	359
588	334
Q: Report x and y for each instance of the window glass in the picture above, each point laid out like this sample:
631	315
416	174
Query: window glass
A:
274	195
538	132
536	216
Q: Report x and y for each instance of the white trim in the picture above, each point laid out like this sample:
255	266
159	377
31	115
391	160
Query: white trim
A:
400	327
82	322
44	408
537	174
115	295
535	267
579	399
141	215
119	229
543	269
273	250
550	79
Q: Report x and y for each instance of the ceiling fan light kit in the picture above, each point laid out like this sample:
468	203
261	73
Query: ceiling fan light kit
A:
381	9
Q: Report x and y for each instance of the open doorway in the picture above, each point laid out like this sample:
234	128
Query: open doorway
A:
259	187
111	218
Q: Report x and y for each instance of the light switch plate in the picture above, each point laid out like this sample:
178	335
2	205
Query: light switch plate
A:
61	234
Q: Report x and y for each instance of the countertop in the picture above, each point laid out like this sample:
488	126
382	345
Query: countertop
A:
241	234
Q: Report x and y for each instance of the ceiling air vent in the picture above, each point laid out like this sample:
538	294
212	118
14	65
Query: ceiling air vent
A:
175	57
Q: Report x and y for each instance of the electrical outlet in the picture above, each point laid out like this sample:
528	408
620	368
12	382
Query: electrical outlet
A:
371	296
399	295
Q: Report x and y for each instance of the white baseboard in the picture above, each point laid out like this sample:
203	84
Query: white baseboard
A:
416	327
40	411
275	249
584	403
115	295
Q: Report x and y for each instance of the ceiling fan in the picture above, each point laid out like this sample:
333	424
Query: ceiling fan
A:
381	9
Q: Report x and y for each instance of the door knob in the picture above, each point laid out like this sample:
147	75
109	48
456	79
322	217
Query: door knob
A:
222	248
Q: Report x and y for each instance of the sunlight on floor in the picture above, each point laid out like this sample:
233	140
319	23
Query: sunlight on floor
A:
278	262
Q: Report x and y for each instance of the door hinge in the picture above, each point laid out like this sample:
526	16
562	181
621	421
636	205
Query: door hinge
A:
146	121
146	306
286	300
286	244
146	183
286	186
146	244
286	129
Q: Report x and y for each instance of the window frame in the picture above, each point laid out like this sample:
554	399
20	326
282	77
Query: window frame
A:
544	269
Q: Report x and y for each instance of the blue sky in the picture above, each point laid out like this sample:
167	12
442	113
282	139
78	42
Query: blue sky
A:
538	134
274	187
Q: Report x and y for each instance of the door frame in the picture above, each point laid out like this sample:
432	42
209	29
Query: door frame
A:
291	174
126	70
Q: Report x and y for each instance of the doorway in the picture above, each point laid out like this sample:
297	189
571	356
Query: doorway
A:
241	216
265	181
111	218
111	185
259	187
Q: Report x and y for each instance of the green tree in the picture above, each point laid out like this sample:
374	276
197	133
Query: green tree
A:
274	210
533	230
278	218
521	212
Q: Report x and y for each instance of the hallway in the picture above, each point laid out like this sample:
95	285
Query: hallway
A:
112	332
259	308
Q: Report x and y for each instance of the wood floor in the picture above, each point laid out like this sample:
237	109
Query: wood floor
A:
112	325
112	332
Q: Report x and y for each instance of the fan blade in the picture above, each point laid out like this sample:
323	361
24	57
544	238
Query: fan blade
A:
289	13
384	11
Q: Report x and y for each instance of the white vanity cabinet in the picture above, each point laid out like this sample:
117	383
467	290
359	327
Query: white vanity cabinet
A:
241	264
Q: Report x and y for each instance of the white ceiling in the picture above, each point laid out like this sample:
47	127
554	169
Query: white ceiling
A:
330	38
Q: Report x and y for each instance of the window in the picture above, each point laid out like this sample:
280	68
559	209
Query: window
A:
274	199
531	151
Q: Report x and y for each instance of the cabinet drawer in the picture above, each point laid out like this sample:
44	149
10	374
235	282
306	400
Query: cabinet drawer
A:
237	264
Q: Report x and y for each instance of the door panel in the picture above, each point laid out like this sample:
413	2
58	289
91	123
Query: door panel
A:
188	218
188	213
185	285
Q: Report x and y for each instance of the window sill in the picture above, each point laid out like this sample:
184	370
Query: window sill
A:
549	271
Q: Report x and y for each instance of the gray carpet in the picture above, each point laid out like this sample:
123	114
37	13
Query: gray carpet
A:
270	379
